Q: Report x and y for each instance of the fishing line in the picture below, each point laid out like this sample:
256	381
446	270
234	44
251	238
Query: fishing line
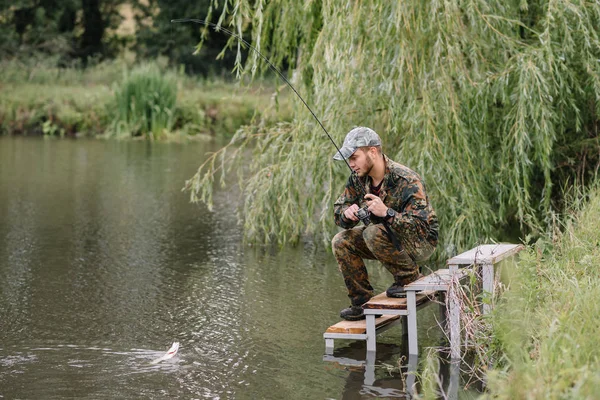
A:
354	175
218	28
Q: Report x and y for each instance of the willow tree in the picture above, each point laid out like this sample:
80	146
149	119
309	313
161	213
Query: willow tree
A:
495	103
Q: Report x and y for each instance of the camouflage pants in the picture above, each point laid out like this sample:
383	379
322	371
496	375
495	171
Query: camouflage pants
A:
352	246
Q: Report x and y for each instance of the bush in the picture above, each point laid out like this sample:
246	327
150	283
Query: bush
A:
145	103
114	99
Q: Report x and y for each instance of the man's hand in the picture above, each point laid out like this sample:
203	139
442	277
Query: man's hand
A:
376	206
349	213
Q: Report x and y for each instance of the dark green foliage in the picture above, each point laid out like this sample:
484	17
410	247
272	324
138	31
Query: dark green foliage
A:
494	103
178	41
66	30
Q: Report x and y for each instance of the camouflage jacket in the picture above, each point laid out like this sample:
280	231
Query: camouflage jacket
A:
402	190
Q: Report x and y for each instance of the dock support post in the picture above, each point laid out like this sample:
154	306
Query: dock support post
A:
329	346
411	306
487	272
443	311
411	374
371	333
454	322
454	380
370	369
453	308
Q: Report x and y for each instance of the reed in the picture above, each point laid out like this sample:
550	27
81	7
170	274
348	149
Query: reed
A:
145	103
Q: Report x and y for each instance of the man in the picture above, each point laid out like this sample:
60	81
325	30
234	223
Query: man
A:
395	196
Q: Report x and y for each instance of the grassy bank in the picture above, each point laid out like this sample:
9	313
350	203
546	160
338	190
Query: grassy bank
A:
547	325
541	340
38	99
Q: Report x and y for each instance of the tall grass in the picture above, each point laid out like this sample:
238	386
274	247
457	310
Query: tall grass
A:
547	326
540	342
76	110
145	103
44	71
36	97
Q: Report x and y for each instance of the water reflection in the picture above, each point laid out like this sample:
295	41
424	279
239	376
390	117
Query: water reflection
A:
391	372
104	263
380	374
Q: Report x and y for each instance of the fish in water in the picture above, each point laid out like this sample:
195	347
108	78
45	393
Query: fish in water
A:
169	354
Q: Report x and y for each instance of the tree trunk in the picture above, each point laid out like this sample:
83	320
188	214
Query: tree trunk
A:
23	17
91	41
66	23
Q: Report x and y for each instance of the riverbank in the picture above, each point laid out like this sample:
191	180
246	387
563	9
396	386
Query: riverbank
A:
43	100
546	326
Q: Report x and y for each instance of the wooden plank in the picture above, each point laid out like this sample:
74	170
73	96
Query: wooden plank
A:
358	327
381	301
486	254
438	277
439	280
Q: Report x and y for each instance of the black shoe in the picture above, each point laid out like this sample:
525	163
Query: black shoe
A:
396	291
353	313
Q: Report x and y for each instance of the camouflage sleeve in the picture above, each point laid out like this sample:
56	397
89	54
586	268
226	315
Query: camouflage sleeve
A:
415	210
349	197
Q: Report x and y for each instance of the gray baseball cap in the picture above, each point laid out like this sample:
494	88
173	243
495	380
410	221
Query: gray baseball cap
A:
357	137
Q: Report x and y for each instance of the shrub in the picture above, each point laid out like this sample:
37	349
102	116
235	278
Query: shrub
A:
145	103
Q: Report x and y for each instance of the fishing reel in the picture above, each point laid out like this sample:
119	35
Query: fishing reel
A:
364	215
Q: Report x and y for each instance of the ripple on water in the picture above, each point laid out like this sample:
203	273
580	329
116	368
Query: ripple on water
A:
104	263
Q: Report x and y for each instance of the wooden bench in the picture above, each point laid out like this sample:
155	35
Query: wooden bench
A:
356	330
485	256
383	305
382	312
482	257
439	281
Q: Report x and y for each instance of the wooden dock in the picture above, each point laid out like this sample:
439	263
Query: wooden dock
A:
382	312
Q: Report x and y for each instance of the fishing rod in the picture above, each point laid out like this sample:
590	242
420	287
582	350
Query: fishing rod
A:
363	213
219	28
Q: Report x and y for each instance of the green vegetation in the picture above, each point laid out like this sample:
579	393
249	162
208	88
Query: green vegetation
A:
540	340
495	103
82	32
145	102
176	41
115	99
69	30
546	326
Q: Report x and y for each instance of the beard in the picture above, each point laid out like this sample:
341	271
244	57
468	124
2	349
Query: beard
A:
368	166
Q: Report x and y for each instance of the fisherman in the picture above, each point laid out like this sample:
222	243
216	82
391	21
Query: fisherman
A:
395	196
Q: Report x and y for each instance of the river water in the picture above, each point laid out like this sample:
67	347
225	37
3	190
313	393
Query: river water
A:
104	263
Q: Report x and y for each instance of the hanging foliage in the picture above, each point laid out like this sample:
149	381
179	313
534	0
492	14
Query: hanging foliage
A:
495	103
